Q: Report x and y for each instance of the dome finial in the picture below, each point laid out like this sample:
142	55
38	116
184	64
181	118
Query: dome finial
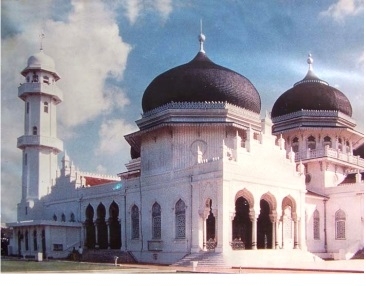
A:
310	62
41	37
201	39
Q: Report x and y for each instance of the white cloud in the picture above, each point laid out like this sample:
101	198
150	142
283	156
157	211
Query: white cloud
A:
343	8
164	7
133	9
101	169
111	137
87	49
115	97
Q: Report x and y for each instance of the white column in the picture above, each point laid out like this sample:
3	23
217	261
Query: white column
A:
254	231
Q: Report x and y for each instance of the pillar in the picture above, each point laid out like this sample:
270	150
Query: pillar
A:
204	233
276	234
96	235
254	231
108	234
273	221
296	240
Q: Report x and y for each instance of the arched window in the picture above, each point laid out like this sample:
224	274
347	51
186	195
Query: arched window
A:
340	225
180	219
35	243
348	149
45	107
295	145
339	144
46	79
35	130
316	226
156	221
26	240
327	142
27	78
311	143
63	217
35	77
135	222
72	217
55	217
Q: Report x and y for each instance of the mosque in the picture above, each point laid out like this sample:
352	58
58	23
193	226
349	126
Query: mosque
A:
208	179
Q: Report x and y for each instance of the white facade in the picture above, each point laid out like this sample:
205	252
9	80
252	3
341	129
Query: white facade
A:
210	176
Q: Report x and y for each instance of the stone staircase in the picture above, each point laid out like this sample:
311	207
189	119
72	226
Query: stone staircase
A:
249	259
207	260
108	256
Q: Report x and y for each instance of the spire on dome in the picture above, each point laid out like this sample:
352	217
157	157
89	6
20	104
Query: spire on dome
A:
310	62
41	37
201	39
311	76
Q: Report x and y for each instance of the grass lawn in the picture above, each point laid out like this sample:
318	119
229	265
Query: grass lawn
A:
25	266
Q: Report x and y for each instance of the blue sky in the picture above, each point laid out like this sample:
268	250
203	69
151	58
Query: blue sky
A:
107	52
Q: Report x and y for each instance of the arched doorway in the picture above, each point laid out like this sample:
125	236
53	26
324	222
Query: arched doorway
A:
89	227
102	227
114	226
242	225
289	223
210	226
264	226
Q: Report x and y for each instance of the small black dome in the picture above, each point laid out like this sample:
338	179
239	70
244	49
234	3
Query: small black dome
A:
311	93
201	80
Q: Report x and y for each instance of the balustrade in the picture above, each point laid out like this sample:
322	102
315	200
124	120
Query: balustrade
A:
331	153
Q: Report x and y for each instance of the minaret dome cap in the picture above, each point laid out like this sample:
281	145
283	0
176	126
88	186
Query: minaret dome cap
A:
41	61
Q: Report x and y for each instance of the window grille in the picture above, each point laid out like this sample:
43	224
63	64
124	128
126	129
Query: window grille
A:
156	221
340	225
135	222
180	219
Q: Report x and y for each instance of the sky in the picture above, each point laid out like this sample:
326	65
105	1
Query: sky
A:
107	52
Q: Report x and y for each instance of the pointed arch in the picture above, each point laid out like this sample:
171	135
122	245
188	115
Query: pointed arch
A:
289	201
180	219
267	214
102	227
242	223
271	200
311	142
89	227
289	230
113	210
340	224
156	221
135	222
72	217
246	195
114	226
101	212
89	212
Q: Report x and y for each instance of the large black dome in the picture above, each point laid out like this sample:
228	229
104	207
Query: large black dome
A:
201	80
311	93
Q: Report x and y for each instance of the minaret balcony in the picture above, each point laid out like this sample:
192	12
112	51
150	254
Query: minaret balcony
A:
30	88
330	153
42	141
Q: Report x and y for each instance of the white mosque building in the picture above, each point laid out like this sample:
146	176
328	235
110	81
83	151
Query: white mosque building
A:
208	178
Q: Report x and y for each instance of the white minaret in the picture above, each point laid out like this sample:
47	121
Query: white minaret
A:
39	143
